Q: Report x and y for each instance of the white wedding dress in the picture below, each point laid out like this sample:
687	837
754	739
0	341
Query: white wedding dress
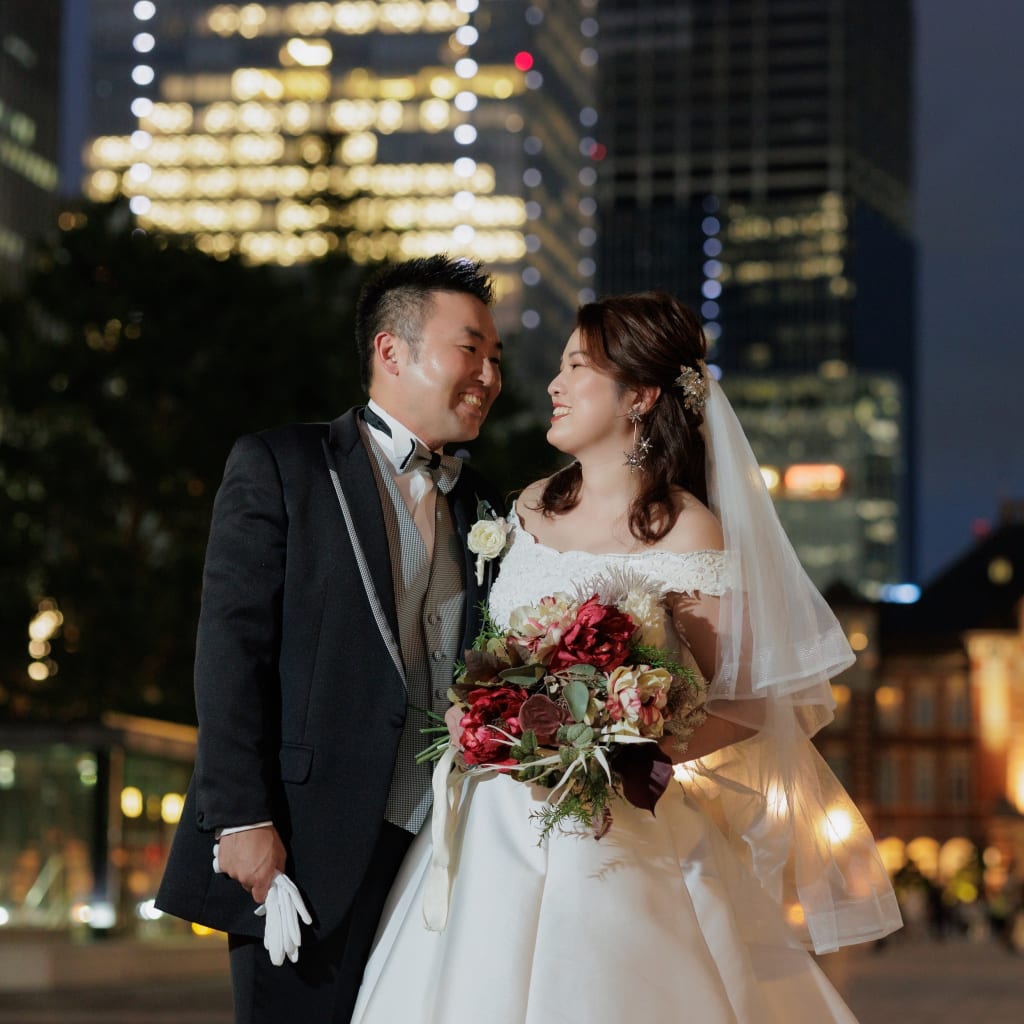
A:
658	921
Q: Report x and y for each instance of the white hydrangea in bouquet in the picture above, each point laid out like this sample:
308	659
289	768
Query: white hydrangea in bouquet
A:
575	696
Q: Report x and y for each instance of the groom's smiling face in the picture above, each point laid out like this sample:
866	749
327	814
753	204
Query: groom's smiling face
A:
442	384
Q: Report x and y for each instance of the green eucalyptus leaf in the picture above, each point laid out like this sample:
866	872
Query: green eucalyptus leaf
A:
585	738
578	698
522	675
581	672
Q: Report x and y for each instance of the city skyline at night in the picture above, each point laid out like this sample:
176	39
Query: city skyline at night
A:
287	132
248	144
967	220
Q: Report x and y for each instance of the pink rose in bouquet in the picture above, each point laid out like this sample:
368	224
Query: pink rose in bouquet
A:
638	696
536	631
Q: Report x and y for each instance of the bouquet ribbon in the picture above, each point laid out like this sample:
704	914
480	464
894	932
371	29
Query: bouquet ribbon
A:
446	785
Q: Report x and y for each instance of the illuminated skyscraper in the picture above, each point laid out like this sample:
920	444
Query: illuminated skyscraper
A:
283	131
758	165
29	55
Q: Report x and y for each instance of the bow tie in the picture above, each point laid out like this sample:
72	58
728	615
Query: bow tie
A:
443	469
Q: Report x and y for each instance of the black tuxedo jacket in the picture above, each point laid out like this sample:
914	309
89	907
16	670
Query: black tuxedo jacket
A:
299	688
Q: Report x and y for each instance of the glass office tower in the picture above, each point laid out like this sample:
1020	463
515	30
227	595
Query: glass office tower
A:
29	67
758	165
287	131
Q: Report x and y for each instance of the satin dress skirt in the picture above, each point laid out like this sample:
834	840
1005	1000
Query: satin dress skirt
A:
658	921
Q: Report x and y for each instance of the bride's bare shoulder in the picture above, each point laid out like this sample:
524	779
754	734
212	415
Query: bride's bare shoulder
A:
528	503
696	528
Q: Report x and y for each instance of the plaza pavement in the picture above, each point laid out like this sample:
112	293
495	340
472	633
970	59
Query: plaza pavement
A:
921	981
907	981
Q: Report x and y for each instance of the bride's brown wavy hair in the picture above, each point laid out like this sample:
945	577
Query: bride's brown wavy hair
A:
642	341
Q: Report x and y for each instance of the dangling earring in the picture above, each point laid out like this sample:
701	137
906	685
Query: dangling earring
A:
636	458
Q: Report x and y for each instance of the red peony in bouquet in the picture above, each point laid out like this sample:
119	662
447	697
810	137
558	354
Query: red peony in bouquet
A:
575	696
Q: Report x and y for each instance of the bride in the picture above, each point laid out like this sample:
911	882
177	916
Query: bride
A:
704	909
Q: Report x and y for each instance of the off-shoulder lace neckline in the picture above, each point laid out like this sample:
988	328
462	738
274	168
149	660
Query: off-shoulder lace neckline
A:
517	523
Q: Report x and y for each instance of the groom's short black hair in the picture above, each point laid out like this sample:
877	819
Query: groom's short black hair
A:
398	299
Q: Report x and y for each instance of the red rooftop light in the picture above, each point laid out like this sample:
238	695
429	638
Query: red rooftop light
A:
523	60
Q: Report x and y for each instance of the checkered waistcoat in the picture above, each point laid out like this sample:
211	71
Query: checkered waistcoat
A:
430	604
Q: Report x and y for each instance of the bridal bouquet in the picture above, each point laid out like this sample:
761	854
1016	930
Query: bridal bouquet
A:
574	696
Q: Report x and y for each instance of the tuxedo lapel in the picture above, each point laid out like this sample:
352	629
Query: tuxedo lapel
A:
353	477
463	505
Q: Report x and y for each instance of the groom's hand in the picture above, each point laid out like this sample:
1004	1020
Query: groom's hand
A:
253	858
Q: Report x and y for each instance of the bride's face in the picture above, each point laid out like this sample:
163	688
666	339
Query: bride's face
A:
590	412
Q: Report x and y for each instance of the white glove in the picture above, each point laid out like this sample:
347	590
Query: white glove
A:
282	935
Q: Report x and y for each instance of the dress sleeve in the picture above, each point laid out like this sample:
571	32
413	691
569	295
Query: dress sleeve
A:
705	572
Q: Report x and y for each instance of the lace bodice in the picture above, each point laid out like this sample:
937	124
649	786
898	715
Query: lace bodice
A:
531	570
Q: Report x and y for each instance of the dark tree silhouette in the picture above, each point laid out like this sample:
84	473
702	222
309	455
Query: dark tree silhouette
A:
128	365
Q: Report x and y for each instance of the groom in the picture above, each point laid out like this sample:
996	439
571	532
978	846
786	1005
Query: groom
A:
337	594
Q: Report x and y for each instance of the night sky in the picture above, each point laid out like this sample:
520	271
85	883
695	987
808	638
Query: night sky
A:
970	229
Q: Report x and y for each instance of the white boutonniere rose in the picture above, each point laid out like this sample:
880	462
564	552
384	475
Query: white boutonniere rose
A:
487	538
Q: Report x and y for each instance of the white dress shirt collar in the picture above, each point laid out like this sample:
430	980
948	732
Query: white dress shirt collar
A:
401	441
